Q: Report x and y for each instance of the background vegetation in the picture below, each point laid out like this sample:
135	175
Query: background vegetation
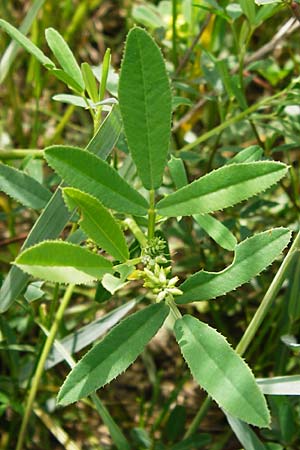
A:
234	68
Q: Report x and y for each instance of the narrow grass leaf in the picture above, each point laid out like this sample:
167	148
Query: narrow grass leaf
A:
98	223
56	215
106	360
89	173
221	371
251	257
23	188
81	338
62	262
247	155
64	55
146	105
26	43
287	385
245	434
217	231
222	188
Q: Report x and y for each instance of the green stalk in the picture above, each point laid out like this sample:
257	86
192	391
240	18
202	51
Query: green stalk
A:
199	417
151	215
40	367
20	154
242	115
136	231
174	33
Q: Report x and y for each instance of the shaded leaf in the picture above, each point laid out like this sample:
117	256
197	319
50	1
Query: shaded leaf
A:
221	371
106	360
146	105
24	42
98	223
217	231
64	55
23	188
63	262
222	188
245	434
287	385
252	256
89	173
81	338
177	171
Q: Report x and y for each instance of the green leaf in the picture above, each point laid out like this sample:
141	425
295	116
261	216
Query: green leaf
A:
24	42
222	188
64	55
56	216
288	385
221	371
146	104
90	81
249	154
89	173
98	223
23	188
10	53
106	360
217	231
87	334
245	434
67	79
177	171
63	262
251	257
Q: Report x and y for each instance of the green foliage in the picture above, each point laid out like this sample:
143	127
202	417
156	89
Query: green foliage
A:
98	223
146	116
63	262
23	188
220	371
251	257
222	188
89	173
114	354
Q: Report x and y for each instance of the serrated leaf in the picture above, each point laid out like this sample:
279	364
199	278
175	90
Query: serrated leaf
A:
221	371
251	257
113	354
23	188
64	55
222	188
62	262
90	174
87	334
217	231
98	223
55	216
24	42
146	106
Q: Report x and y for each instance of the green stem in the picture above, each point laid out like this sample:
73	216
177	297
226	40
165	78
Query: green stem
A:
151	215
174	33
268	299
242	115
198	418
136	231
174	310
20	154
40	367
